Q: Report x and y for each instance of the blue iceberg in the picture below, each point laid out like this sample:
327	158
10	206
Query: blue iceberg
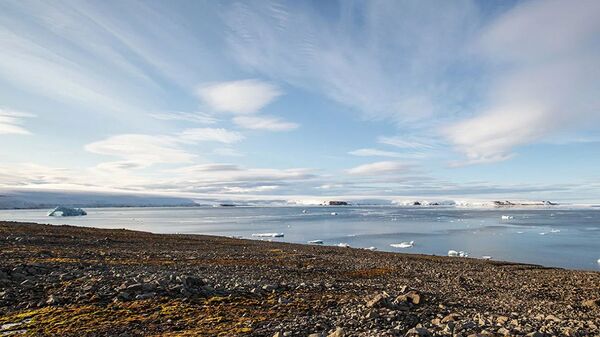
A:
67	211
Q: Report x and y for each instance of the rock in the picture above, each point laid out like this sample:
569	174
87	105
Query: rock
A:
372	314
278	334
449	327
339	332
124	296
45	253
595	303
553	318
410	297
53	300
501	320
269	287
135	288
145	296
504	331
380	300
191	283
417	332
318	334
450	318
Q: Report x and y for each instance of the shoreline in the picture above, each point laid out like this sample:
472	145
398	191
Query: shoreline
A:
564	206
67	280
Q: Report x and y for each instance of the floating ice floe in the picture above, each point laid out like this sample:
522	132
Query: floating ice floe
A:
598	261
507	217
405	244
67	211
316	242
454	253
268	235
486	257
375	248
343	245
555	231
543	233
304	211
334	213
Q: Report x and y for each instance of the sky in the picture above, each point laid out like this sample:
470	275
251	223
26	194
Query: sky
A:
302	100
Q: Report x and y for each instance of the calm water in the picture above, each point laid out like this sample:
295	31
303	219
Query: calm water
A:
551	237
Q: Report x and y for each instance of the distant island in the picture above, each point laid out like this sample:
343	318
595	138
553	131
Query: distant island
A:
337	203
22	199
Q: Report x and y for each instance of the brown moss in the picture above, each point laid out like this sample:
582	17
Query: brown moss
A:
217	316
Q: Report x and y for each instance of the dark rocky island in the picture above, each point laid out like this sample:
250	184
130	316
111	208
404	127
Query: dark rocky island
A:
73	281
337	203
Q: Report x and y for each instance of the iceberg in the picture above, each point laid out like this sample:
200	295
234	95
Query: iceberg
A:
454	253
371	248
406	244
334	213
507	217
67	211
268	235
316	242
343	245
486	257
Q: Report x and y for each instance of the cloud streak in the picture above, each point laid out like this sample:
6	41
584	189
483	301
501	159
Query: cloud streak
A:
379	168
10	122
545	56
264	123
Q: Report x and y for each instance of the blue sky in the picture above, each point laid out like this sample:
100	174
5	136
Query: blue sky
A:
302	100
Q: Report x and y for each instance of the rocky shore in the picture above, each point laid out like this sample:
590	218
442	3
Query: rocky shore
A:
73	281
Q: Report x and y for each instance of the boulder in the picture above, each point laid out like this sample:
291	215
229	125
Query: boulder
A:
378	301
410	297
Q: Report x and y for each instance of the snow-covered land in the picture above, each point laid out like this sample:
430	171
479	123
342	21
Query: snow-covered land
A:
25	199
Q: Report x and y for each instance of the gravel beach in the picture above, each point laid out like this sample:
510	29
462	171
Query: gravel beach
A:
75	281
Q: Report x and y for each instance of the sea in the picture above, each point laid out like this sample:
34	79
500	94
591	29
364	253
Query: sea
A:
553	237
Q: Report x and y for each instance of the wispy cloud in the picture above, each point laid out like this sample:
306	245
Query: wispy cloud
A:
409	142
210	135
264	123
144	149
376	153
10	122
238	97
194	117
348	57
544	82
381	167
